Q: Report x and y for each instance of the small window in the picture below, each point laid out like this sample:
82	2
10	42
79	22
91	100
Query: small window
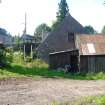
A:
70	36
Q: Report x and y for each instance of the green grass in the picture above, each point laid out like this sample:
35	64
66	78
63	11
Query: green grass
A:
38	68
4	73
91	100
97	100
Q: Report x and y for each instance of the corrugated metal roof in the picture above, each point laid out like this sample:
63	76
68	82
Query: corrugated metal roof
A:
97	44
27	37
63	52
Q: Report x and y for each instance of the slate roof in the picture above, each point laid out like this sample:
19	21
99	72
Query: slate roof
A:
96	44
58	39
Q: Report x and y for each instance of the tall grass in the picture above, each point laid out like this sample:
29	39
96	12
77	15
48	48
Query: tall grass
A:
38	68
18	58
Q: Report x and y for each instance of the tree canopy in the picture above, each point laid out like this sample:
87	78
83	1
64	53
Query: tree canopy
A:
3	31
103	30
41	29
63	9
89	29
3	60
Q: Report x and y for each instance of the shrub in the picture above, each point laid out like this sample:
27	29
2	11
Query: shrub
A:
34	55
28	59
18	57
9	55
3	59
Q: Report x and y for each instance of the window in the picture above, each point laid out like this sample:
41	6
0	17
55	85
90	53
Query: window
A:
70	36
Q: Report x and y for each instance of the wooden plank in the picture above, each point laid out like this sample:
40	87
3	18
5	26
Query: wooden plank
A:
92	63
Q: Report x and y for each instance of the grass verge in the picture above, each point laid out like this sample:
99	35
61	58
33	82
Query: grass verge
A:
40	69
91	100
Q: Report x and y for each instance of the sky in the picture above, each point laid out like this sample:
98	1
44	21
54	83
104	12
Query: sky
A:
12	13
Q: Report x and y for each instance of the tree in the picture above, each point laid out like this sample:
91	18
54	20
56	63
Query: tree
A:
103	30
41	29
3	31
89	29
54	25
17	41
62	12
3	60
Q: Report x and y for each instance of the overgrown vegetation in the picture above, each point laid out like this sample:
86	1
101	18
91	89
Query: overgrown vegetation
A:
63	10
3	58
91	100
38	68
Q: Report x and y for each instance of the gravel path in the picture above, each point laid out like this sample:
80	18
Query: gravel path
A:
44	91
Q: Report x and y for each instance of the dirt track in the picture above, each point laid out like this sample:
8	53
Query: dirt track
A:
44	91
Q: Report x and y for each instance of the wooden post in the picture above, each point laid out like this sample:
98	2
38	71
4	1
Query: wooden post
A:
31	52
24	53
79	63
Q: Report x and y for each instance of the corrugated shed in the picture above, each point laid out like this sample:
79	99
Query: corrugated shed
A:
91	44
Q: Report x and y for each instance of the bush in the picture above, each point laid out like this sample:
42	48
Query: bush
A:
28	59
9	55
34	55
3	59
18	57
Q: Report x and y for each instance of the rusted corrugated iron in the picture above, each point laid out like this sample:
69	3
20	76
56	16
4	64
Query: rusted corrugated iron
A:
98	42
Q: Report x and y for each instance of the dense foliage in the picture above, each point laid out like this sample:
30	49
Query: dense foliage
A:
63	9
4	31
103	30
6	56
89	30
38	68
3	60
41	29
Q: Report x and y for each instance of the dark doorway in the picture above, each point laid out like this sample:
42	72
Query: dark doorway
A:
74	63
